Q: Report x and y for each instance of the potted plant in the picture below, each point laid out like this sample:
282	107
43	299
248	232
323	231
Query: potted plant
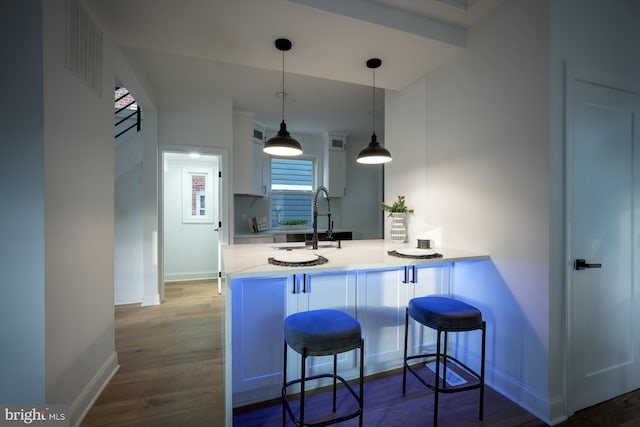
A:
293	224
397	207
398	211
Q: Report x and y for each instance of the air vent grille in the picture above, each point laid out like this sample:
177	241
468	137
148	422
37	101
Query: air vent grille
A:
83	44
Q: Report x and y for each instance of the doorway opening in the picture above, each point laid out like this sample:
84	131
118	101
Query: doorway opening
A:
191	217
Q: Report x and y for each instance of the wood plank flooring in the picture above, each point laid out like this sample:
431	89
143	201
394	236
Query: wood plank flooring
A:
171	362
171	374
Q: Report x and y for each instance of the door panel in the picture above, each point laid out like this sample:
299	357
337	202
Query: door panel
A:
602	160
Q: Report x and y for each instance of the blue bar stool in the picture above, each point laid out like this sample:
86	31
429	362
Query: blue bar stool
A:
446	315
321	333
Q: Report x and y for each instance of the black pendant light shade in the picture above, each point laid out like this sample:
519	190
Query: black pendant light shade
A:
283	144
374	154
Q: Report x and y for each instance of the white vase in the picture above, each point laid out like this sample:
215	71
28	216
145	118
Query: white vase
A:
398	229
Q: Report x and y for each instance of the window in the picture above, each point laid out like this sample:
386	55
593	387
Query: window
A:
291	190
197	194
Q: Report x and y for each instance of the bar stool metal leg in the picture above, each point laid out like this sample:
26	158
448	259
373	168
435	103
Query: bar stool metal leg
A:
436	381
361	382
303	374
484	335
444	361
284	384
335	374
406	342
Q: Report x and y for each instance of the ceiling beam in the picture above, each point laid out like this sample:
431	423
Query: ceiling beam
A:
386	16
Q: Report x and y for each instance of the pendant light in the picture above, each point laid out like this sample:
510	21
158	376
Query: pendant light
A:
374	153
283	144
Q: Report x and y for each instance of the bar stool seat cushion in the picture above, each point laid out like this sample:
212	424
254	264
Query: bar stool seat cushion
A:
322	332
448	314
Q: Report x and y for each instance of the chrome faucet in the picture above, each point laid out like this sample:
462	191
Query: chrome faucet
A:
314	242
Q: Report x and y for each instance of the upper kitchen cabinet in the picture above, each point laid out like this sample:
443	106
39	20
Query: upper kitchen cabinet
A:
335	165
248	158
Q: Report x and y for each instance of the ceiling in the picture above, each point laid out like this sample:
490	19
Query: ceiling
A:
190	50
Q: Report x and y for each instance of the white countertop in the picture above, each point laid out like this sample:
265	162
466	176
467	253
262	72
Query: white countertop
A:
272	231
252	260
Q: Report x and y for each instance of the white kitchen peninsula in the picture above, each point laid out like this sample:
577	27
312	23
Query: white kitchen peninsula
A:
360	278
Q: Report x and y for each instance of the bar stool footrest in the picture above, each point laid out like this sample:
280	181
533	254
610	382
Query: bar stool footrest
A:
340	419
452	389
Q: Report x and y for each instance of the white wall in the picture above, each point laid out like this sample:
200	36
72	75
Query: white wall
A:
141	147
479	173
79	231
22	214
151	286
205	124
405	133
129	225
136	215
604	37
128	283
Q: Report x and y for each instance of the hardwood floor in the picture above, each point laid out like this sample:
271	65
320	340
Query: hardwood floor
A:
171	374
171	362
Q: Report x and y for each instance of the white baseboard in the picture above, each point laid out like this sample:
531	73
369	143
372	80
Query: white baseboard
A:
558	410
198	275
151	299
85	400
519	393
122	299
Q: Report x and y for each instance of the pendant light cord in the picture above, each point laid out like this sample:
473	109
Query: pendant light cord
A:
373	113
283	85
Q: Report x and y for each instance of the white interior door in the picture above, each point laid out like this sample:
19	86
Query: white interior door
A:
603	160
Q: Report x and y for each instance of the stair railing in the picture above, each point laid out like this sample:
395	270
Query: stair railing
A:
137	113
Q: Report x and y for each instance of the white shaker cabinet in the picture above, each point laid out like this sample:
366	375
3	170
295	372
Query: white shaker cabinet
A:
260	306
383	296
381	310
335	165
248	158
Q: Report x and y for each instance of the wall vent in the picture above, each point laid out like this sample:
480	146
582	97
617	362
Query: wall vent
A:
83	46
338	145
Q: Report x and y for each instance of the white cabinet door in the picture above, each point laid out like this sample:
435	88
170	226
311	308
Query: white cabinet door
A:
248	158
424	281
336	290
335	166
258	186
260	306
336	181
429	280
382	298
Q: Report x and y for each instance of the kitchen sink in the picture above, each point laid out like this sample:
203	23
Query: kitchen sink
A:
309	247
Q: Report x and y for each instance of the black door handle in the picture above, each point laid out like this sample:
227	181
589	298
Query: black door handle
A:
581	264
